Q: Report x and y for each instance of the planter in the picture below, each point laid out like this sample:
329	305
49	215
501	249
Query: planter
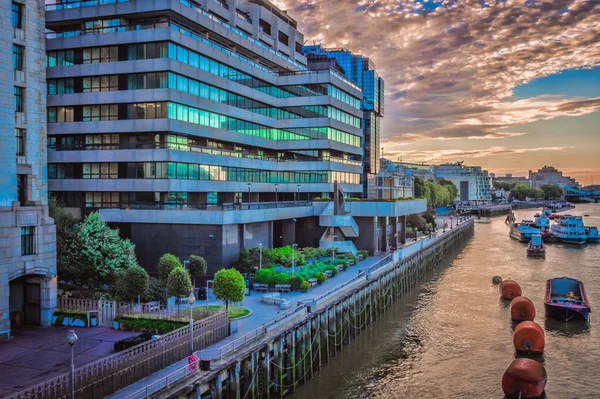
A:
69	321
116	325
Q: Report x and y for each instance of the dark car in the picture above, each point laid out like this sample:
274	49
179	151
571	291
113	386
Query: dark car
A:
133	341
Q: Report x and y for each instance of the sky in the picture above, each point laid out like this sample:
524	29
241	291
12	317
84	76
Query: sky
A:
508	85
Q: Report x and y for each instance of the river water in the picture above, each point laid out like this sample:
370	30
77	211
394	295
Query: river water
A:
452	336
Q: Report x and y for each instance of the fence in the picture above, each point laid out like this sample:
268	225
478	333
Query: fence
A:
110	374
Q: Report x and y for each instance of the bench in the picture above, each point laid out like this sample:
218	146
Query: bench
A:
313	281
339	268
350	262
7	332
270	299
360	256
328	273
261	287
283	288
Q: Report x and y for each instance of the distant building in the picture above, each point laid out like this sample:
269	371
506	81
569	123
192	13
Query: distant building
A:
473	183
394	181
27	233
509	178
420	170
550	175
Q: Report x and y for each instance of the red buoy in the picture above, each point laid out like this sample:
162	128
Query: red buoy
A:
522	309
524	378
510	289
529	337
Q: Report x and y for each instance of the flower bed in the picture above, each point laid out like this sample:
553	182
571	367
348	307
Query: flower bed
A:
153	324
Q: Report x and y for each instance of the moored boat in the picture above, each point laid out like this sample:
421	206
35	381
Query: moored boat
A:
523	231
566	299
591	233
536	247
570	230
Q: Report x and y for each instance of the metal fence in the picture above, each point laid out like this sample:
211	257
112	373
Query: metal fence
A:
110	374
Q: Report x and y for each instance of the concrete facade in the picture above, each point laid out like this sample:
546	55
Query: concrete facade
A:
550	175
27	233
473	183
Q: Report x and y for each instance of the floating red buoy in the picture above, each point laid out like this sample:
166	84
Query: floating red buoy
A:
510	289
522	309
529	337
524	378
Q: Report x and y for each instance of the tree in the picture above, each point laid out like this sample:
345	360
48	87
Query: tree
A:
538	193
179	283
65	235
522	191
419	188
552	190
197	266
132	283
416	221
502	185
229	286
97	255
157	290
452	189
166	265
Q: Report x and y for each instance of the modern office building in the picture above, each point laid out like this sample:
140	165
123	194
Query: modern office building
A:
473	183
197	127
550	175
360	70
27	233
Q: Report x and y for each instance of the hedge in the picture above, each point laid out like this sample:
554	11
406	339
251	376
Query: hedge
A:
156	325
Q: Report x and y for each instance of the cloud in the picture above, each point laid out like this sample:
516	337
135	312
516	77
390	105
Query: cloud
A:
455	67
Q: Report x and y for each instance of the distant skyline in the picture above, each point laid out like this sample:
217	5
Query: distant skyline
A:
508	85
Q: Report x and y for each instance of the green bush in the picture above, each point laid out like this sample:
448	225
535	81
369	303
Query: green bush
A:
264	276
166	264
157	290
333	270
321	278
229	286
364	253
313	253
133	282
295	281
281	278
304	286
159	326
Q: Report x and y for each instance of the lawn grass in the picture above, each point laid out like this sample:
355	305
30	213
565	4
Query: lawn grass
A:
234	311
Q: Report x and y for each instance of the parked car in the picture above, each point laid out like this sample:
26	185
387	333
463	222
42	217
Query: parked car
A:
132	341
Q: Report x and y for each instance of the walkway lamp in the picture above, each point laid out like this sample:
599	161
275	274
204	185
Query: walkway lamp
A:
191	299
72	340
276	191
249	186
260	251
333	249
298	196
293	259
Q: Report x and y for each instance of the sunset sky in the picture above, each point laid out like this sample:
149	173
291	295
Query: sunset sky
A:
508	85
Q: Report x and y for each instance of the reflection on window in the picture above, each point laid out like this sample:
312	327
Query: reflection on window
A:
102	170
100	54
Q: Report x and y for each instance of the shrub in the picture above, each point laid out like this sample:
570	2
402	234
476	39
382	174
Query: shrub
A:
166	264
333	270
313	253
264	276
133	282
364	253
304	286
321	277
281	278
295	281
157	290
159	326
197	266
229	286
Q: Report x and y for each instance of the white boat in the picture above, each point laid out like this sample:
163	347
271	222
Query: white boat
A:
570	230
524	230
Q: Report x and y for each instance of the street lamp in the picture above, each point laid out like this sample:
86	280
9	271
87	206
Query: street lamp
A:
72	340
249	185
260	251
293	260
403	185
276	191
207	281
298	197
191	299
391	189
333	249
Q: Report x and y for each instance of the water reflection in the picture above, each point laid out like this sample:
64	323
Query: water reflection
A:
567	329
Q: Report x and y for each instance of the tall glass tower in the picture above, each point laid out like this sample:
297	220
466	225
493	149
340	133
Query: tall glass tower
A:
362	71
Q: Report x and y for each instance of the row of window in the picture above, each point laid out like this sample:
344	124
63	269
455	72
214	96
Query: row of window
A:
200	117
185	171
143	51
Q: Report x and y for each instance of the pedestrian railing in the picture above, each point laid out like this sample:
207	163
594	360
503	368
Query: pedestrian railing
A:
112	373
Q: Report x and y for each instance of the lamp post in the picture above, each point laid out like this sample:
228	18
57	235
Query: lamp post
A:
260	252
72	340
298	197
249	185
207	281
191	299
403	185
276	191
293	259
333	249
391	189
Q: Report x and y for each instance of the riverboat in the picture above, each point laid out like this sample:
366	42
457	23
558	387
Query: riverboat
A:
536	247
524	230
592	234
569	230
566	299
542	221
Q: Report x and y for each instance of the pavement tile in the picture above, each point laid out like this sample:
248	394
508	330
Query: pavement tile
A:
8	353
12	378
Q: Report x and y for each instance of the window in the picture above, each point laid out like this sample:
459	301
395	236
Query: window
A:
61	86
101	200
27	240
60	114
22	189
299	48
283	38
264	26
18	57
108	112
100	170
100	83
17	15
18	99
20	134
60	58
100	54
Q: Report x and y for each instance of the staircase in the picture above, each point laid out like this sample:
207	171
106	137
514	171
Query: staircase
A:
335	218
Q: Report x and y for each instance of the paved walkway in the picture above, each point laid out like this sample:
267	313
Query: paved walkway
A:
35	354
263	313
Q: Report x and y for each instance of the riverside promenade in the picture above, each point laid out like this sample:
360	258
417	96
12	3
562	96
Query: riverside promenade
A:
267	317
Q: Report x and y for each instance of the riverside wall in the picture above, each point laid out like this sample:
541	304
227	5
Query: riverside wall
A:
293	348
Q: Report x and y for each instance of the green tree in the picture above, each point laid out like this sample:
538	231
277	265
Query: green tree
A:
502	185
552	190
419	188
244	263
179	283
97	254
452	189
229	286
65	236
539	193
416	222
132	283
522	191
166	264
197	266
157	290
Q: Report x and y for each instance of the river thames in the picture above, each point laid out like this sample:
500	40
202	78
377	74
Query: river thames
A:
452	336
